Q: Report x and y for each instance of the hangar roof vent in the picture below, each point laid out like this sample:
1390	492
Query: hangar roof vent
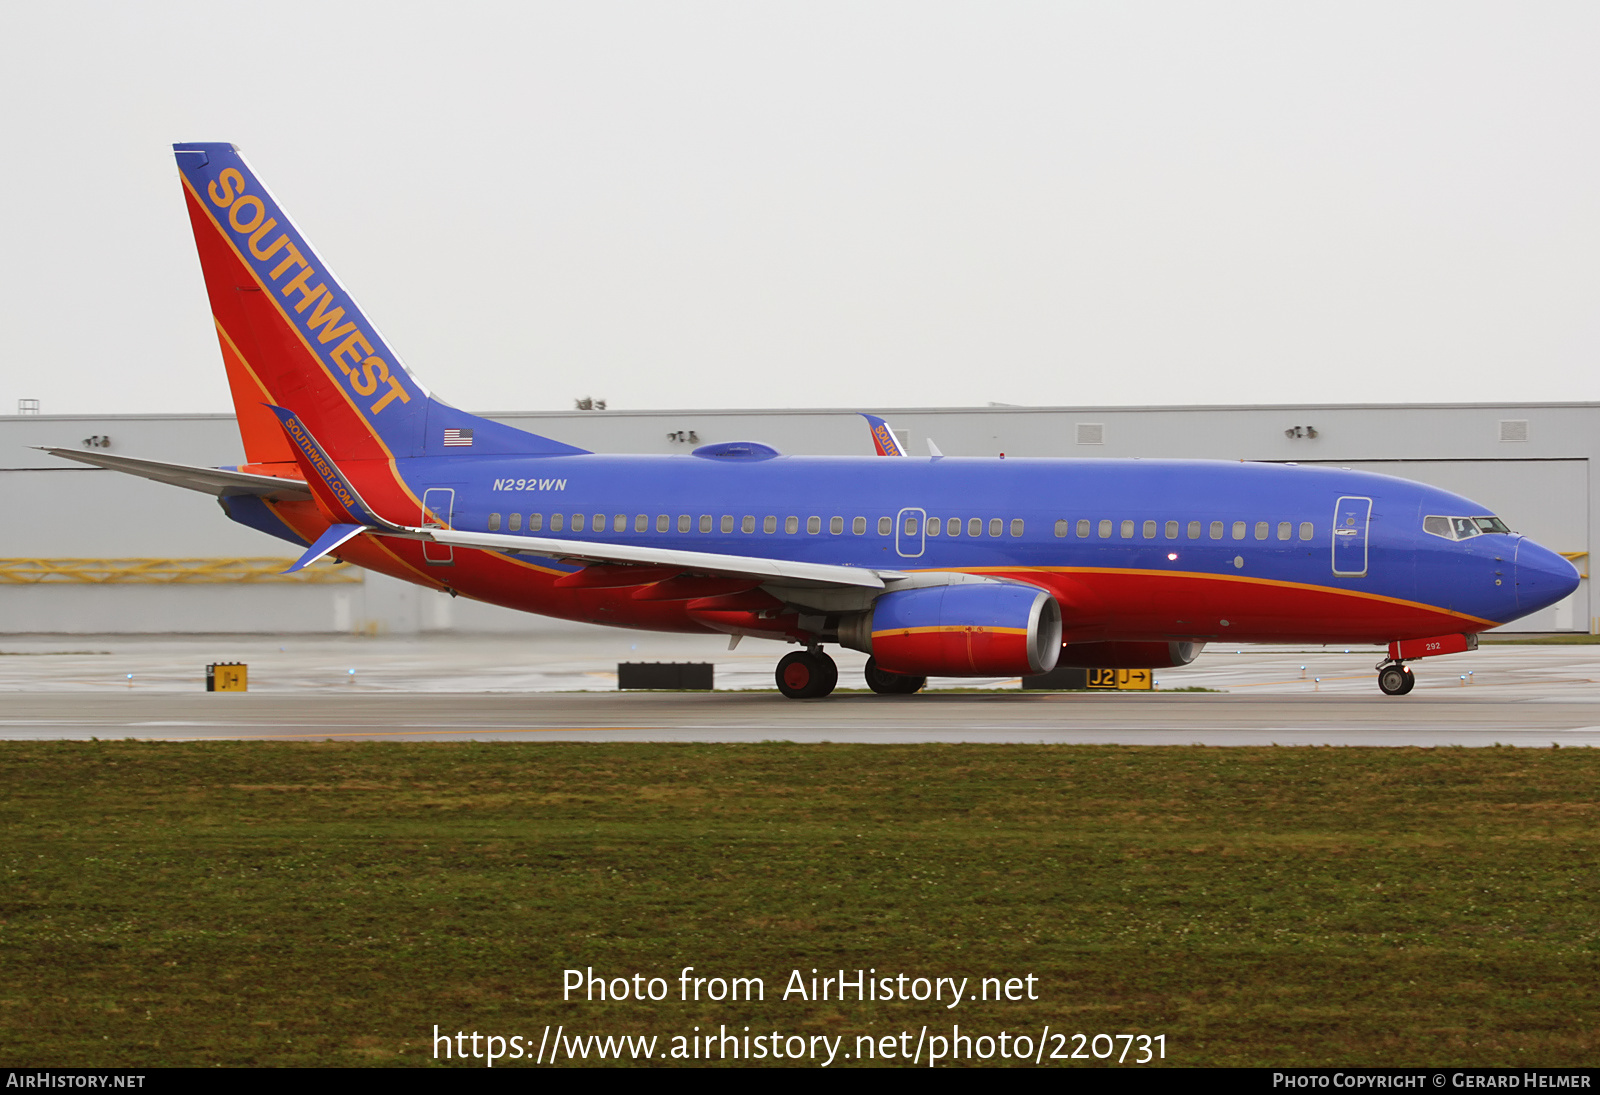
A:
1513	429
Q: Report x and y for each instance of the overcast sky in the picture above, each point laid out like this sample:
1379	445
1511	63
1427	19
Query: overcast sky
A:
839	205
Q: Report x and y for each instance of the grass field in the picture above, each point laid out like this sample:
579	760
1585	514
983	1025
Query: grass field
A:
249	903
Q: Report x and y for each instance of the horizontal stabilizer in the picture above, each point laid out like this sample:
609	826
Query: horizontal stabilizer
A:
216	481
336	535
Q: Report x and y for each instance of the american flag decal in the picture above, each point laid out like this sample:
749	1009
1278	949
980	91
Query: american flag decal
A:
458	437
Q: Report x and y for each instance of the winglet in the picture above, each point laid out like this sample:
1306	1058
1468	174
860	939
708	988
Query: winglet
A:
882	436
336	535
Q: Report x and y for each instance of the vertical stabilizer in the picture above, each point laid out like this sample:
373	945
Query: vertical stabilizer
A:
293	337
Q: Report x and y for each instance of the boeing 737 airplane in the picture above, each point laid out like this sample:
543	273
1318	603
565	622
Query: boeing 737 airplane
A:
944	566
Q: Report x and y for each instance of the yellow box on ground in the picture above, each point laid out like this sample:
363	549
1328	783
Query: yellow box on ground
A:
1122	680
227	677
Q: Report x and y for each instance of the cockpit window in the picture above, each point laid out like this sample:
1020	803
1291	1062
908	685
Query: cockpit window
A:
1462	528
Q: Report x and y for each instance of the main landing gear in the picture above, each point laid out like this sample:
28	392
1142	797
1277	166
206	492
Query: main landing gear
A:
1395	678
891	684
807	674
811	674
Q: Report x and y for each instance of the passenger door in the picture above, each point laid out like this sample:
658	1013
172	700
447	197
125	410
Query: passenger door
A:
438	503
1351	517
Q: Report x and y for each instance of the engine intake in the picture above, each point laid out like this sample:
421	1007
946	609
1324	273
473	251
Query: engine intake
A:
988	629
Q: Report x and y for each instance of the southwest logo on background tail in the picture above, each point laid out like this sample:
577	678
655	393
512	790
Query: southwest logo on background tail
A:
292	336
883	438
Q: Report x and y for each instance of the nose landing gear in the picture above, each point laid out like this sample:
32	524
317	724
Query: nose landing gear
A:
1395	678
807	674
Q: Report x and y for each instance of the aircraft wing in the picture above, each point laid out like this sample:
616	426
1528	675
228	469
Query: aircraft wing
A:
693	562
207	480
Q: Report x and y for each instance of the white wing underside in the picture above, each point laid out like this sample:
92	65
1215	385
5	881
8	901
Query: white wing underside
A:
787	571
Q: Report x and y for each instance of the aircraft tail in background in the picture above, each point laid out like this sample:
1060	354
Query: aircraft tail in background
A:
291	336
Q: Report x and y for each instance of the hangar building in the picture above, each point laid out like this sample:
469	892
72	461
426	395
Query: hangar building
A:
91	551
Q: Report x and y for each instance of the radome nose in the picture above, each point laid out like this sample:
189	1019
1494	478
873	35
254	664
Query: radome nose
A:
1542	577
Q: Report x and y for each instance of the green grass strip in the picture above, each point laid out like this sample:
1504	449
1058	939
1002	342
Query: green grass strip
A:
326	904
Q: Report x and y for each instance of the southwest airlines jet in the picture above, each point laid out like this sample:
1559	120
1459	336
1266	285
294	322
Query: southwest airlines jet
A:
945	566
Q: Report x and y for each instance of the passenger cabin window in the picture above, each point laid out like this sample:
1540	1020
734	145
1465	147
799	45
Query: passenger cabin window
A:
515	522
1285	529
836	525
791	525
619	523
641	523
556	521
934	525
769	523
1016	526
1238	530
536	521
813	525
1105	530
1061	527
1127	530
1149	530
1306	530
1261	530
705	522
663	523
1194	530
494	522
1216	530
975	526
727	522
748	524
953	526
1172	530
995	524
683	522
578	522
1083	527
859	526
885	526
911	526
598	522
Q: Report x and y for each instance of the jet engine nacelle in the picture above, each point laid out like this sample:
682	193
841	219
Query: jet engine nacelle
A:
1128	655
985	629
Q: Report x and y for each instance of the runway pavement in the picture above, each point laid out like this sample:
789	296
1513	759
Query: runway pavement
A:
492	688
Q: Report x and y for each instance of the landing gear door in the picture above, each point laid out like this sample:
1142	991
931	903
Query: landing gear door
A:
910	527
437	505
1351	517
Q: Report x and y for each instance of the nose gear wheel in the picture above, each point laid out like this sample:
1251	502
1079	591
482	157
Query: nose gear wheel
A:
1395	680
